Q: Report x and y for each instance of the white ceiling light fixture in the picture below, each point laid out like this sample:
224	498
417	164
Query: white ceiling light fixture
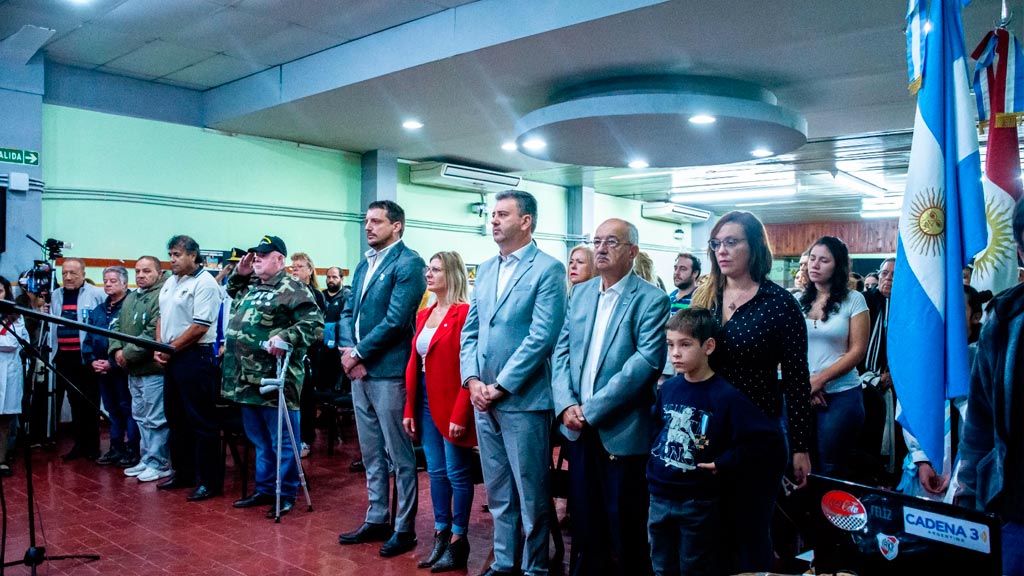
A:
881	214
761	153
535	144
412	124
638	164
702	119
731	195
887	204
509	147
644	175
860	184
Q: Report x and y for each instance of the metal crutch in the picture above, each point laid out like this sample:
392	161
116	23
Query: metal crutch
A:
268	385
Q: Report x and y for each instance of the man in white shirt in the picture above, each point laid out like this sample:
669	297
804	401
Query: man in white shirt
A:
607	361
189	303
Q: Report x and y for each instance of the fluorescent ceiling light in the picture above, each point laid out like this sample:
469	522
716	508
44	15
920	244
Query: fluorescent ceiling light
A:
860	184
725	196
888	203
509	147
644	175
769	203
761	153
412	124
638	164
732	179
702	119
535	144
881	214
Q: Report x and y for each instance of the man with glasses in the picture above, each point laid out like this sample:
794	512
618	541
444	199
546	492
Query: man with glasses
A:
514	318
607	362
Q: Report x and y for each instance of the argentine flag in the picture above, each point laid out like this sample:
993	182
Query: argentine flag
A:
942	226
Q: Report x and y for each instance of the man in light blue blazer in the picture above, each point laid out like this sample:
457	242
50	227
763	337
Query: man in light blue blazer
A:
517	309
375	339
607	361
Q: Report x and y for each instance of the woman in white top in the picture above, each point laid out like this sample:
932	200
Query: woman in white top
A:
838	329
11	376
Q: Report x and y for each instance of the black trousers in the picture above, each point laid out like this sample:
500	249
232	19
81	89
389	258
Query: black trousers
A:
85	417
608	502
191	392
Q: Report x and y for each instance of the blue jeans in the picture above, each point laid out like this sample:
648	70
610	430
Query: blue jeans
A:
839	425
260	423
684	536
118	402
450	470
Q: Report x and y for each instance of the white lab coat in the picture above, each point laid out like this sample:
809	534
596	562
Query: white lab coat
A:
11	375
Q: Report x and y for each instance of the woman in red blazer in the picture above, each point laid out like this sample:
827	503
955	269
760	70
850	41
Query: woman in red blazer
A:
438	412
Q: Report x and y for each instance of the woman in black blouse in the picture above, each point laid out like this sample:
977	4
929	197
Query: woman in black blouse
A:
762	329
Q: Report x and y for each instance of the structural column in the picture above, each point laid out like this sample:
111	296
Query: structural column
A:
579	215
379	182
21	130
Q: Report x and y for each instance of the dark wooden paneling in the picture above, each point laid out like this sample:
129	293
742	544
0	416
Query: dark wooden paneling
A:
866	237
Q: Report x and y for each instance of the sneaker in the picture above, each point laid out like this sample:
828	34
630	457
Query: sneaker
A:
135	470
304	450
110	457
130	460
153	474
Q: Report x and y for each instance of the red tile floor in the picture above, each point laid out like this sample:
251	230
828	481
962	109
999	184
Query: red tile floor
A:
137	530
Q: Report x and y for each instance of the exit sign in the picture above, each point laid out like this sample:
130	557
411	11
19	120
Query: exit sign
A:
16	156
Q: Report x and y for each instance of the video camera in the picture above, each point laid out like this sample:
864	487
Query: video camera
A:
38	279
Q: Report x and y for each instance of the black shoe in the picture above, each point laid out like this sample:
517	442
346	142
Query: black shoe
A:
441	540
129	459
201	493
399	543
110	457
286	506
454	558
356	466
368	532
256	499
173	483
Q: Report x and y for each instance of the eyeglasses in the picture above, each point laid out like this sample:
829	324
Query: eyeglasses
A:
432	270
610	243
729	243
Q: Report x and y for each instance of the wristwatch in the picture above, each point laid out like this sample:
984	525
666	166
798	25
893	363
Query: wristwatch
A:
353	354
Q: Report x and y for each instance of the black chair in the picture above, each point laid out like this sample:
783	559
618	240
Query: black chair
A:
233	438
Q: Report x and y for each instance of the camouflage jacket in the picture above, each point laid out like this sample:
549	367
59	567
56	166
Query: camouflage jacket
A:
280	307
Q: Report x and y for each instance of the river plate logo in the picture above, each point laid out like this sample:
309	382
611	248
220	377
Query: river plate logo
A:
927	226
1000	238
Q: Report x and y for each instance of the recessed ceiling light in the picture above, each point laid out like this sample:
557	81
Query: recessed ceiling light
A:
702	119
638	164
535	144
412	124
81	2
761	153
509	147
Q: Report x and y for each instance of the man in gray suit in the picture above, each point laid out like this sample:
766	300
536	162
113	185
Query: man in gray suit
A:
517	309
607	361
375	337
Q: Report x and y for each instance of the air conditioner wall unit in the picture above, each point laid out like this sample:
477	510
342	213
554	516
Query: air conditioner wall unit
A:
669	212
455	177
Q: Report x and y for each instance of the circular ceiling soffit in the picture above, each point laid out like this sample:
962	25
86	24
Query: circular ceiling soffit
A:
621	121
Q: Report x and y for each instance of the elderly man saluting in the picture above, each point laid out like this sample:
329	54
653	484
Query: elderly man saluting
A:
268	306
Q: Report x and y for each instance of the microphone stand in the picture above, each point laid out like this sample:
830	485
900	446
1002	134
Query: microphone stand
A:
36	555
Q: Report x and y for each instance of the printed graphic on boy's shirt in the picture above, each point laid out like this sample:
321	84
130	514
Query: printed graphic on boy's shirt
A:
684	438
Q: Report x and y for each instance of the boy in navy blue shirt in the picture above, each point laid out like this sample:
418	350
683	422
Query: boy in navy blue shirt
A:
706	432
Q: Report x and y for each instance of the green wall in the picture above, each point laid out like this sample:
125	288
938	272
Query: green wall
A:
119	187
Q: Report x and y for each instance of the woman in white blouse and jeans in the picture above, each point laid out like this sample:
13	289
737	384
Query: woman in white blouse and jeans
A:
838	329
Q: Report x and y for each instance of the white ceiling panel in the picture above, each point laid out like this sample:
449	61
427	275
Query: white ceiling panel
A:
82	11
230	29
159	58
348	20
93	44
12	18
285	45
214	71
157	18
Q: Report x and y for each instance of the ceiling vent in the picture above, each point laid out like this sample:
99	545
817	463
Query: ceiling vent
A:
457	177
669	212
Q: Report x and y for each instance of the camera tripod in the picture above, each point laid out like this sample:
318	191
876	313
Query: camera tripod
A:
268	385
36	555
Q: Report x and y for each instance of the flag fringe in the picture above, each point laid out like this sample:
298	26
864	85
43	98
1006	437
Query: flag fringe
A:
915	86
1003	120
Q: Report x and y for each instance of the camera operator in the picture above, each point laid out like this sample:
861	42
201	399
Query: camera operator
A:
270	306
73	301
189	303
